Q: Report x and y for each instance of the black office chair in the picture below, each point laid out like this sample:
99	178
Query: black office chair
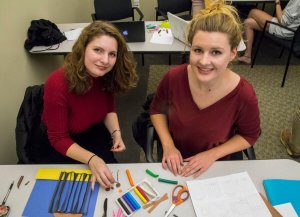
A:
292	45
31	140
174	7
32	144
112	10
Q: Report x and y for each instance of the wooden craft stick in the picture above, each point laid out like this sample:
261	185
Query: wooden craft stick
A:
155	203
272	210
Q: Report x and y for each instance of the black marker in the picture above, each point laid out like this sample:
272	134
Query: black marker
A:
7	194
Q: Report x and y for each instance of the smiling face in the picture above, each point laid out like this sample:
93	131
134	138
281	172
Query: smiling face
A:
210	55
100	55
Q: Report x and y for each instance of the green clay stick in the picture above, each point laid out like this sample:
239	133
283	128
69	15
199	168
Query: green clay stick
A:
168	181
151	173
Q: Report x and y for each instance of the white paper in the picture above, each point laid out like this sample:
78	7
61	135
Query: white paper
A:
162	36
286	210
241	46
73	34
228	196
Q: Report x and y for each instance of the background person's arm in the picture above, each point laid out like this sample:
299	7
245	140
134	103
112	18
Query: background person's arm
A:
278	10
197	5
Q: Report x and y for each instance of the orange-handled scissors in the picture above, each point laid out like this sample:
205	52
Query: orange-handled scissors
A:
179	194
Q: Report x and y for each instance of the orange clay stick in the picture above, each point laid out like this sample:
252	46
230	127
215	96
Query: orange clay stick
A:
129	177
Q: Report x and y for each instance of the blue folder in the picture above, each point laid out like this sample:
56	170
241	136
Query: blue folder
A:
280	191
41	195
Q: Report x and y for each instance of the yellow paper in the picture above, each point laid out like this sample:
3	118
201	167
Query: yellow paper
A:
54	173
165	24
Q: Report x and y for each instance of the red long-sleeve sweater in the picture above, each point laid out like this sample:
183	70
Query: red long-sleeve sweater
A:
66	113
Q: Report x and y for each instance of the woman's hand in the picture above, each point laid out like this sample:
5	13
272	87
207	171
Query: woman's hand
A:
198	163
118	144
100	173
172	160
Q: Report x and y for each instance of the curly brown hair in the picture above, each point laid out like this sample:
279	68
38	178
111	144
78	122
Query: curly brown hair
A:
121	78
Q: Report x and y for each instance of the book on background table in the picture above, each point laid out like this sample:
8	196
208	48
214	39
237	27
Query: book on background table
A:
281	191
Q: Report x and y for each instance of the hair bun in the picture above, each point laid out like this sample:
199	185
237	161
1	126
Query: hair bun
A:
214	4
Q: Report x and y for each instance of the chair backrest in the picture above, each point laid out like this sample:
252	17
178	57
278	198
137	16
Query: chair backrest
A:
174	6
296	48
113	9
32	144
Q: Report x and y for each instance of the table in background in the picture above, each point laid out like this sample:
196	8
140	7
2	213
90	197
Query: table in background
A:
136	47
257	170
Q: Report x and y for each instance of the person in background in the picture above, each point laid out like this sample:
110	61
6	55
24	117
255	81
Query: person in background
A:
79	100
291	138
289	17
197	5
203	111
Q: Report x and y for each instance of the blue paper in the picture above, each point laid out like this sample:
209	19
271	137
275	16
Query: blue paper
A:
41	195
280	191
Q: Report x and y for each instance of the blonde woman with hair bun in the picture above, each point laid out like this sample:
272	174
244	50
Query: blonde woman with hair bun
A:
203	111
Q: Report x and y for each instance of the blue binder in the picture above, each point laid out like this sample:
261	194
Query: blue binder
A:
281	191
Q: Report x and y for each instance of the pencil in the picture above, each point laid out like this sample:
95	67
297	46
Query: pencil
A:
7	194
20	181
129	177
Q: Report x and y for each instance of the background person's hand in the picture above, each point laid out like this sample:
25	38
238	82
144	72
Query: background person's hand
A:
101	173
198	164
172	160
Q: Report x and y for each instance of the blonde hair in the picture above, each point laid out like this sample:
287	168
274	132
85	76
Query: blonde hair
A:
217	17
121	78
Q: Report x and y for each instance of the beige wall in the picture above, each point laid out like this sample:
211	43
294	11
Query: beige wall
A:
18	69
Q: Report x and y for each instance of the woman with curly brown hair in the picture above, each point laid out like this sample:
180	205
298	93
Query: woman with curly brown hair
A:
79	100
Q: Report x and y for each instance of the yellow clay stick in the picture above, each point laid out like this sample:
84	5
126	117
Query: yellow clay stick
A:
139	195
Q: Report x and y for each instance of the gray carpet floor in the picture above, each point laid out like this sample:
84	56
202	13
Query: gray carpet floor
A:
277	105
